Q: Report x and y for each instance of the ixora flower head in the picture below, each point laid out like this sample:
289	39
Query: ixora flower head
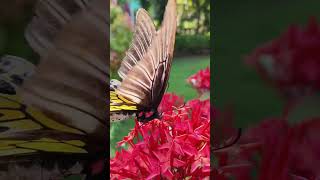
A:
201	80
274	149
175	147
292	61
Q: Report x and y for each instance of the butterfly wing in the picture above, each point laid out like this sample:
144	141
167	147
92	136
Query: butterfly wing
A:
70	82
50	17
120	107
146	82
33	146
143	34
24	130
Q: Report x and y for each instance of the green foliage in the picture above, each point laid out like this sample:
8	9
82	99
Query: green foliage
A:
156	8
120	32
120	36
194	16
192	44
12	27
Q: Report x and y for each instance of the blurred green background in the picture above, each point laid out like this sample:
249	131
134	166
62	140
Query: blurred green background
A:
192	46
14	16
238	28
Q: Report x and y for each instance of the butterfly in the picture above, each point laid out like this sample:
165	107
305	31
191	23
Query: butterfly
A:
58	111
145	69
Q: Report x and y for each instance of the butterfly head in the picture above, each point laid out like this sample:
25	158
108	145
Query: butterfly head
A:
114	84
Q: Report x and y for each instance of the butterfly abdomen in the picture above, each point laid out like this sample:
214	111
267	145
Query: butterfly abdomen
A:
121	115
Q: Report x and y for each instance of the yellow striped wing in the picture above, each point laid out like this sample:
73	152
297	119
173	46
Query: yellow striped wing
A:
24	130
119	103
121	108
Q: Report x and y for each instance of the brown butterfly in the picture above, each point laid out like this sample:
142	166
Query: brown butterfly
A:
145	69
60	112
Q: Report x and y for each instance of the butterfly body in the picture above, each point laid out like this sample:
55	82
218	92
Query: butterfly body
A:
146	116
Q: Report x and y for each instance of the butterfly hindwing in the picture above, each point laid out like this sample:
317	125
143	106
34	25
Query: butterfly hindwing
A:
24	130
121	108
71	80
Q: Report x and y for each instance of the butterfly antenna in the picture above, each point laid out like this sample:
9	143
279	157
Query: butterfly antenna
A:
176	108
232	143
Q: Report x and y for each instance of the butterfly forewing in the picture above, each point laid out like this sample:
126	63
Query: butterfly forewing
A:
143	35
146	82
51	17
71	80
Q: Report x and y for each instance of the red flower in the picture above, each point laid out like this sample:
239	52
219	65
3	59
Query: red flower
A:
274	150
201	80
175	147
291	62
170	102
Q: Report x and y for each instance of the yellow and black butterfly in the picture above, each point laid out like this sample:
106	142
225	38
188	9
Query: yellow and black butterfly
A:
146	68
61	109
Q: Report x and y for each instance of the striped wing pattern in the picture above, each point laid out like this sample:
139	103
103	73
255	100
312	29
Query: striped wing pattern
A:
24	130
119	103
70	82
120	107
146	82
50	17
143	35
64	98
60	109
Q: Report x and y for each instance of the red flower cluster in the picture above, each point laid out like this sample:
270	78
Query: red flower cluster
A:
201	80
273	150
292	61
170	102
175	147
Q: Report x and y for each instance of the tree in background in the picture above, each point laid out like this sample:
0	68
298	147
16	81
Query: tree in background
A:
194	15
120	35
193	32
